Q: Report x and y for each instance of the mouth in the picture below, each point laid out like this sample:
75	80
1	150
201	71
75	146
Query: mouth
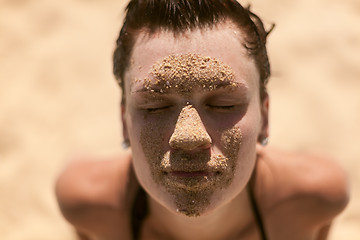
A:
191	180
190	174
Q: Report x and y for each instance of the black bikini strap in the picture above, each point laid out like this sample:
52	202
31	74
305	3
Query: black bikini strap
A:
138	212
255	207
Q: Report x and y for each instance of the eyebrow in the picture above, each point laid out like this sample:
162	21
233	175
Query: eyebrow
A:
155	88
149	89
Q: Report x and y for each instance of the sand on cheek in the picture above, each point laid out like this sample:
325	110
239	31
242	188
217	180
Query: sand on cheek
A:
182	73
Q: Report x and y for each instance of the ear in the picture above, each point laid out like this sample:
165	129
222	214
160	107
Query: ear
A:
264	131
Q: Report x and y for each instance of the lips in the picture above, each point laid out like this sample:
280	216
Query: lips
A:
189	173
190	180
193	171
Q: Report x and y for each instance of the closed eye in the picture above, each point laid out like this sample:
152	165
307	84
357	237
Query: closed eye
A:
222	107
158	109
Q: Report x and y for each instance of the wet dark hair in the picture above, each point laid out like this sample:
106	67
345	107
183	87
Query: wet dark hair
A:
179	16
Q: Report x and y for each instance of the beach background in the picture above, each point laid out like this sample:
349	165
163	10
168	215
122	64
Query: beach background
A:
58	97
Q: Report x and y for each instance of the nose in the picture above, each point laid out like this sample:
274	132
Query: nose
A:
189	133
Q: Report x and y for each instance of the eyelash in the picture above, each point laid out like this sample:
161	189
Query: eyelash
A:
157	109
222	108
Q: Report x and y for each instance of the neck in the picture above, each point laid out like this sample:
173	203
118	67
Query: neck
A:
233	217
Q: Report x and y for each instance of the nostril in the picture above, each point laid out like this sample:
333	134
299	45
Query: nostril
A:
206	145
190	141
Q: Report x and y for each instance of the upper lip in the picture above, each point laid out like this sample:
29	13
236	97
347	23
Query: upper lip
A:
188	168
180	162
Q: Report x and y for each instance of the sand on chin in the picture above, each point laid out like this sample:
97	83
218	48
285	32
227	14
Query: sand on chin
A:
58	97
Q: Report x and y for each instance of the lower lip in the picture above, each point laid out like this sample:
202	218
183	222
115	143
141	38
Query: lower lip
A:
193	181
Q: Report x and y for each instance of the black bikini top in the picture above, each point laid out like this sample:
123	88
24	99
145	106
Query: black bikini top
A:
140	209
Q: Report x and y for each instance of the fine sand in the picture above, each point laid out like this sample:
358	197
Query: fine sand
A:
58	97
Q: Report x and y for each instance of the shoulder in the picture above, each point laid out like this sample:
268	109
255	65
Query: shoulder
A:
91	184
310	185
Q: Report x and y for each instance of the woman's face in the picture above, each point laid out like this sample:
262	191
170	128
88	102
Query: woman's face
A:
193	116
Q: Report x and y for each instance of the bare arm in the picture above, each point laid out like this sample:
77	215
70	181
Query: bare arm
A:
91	194
313	188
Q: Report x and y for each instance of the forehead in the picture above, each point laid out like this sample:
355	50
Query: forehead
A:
222	42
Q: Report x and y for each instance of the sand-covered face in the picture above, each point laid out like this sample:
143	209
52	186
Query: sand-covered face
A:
192	115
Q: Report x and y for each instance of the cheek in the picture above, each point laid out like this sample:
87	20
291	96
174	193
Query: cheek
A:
147	138
149	141
152	138
230	141
239	145
251	124
242	134
247	153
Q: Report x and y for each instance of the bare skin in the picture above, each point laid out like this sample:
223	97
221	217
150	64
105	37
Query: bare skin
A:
96	196
194	117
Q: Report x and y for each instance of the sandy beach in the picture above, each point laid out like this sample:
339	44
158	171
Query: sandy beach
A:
58	97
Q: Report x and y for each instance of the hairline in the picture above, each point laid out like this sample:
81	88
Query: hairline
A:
148	32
